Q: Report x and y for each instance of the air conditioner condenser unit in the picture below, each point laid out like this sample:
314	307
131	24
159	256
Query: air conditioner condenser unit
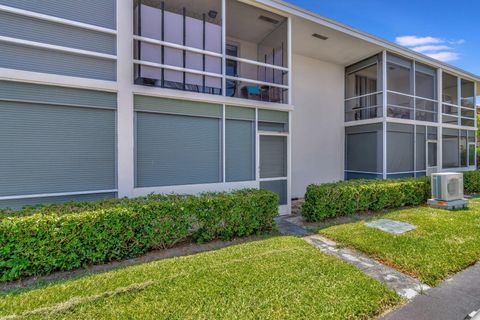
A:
447	191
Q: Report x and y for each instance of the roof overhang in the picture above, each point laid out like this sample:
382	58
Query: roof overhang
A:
362	42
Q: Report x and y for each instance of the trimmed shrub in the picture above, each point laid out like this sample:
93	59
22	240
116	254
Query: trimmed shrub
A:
471	182
348	197
67	237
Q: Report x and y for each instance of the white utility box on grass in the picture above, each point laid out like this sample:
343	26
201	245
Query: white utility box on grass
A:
447	191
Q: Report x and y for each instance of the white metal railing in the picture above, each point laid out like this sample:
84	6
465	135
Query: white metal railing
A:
176	46
257	63
174	68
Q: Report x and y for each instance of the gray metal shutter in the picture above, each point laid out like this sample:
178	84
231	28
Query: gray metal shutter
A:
21	57
27	28
239	150
273	156
177	150
54	149
96	12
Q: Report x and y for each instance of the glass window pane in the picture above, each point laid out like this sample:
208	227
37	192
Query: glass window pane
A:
450	89
468	94
425	82
399	75
450	149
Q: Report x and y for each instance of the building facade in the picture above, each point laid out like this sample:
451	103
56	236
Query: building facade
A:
123	98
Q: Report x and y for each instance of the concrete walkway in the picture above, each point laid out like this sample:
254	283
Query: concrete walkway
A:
403	284
452	300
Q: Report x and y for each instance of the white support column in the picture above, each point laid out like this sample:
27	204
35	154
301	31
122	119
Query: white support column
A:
384	132
476	124
224	47
224	128
439	120
125	113
290	59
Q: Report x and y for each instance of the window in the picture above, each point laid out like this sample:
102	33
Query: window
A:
468	94
363	82
425	82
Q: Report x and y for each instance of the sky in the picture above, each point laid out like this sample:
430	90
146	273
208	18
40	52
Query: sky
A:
446	30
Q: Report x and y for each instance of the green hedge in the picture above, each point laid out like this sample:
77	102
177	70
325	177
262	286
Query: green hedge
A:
74	235
471	182
348	197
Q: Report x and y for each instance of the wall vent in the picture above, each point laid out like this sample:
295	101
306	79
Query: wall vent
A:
319	36
268	19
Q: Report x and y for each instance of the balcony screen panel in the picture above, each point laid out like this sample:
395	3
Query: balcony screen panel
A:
27	28
151	19
177	150
100	13
400	148
468	94
399	74
400	106
450	89
273	156
366	107
425	82
450	148
363	81
239	150
55	149
213	37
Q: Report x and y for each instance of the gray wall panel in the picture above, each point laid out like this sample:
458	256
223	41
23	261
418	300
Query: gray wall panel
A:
14	56
177	150
21	91
19	203
52	149
239	150
277	186
27	28
97	12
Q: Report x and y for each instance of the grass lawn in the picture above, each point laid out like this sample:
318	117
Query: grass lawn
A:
277	278
445	242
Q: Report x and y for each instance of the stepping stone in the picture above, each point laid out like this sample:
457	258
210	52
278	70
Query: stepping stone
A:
391	226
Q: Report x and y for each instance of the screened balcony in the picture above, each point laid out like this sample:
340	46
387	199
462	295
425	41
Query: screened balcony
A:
188	45
178	44
256	53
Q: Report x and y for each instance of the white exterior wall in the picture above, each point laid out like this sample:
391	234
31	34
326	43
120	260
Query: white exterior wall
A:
317	123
